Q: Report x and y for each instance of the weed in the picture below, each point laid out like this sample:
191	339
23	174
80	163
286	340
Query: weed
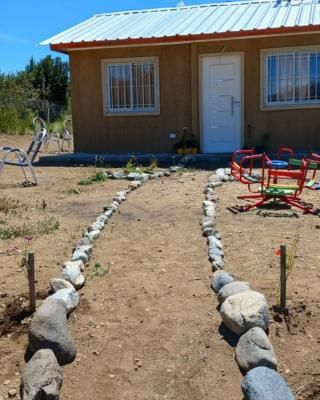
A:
98	176
98	271
153	163
8	205
12	232
152	167
48	226
3	221
132	165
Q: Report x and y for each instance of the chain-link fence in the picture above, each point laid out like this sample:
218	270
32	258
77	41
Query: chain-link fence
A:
16	114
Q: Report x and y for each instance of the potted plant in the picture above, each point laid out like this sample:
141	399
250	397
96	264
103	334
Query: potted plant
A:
187	146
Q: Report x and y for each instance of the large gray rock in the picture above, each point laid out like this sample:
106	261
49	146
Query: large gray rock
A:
49	330
96	226
231	289
220	279
134	176
69	296
102	218
81	255
83	242
88	249
215	252
118	175
58	284
244	311
217	264
213	241
93	235
215	178
77	263
265	384
254	349
72	274
41	377
220	172
135	184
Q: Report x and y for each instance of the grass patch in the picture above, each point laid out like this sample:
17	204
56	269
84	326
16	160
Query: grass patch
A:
98	271
98	176
48	226
45	227
13	232
9	205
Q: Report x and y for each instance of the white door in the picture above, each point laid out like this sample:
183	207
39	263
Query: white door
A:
221	103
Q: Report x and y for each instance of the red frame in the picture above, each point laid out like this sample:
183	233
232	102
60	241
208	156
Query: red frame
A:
269	177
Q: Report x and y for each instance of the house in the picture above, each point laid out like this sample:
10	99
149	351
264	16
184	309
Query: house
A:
139	77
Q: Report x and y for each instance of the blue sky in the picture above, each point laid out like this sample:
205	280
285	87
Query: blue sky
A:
25	23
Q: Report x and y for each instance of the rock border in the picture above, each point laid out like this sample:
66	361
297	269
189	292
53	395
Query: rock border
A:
243	311
49	339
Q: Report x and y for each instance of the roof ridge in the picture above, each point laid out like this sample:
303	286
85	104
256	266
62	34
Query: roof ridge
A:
213	4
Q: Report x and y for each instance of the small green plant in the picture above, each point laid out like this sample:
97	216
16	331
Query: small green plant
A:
12	232
132	165
3	221
98	271
48	226
98	176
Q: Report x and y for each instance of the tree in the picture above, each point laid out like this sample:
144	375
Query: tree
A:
50	77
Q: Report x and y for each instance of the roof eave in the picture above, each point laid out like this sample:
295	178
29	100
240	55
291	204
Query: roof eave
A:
66	47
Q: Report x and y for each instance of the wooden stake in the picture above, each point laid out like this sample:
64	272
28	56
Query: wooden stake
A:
31	280
283	276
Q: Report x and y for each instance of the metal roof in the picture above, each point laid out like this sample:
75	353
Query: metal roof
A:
197	20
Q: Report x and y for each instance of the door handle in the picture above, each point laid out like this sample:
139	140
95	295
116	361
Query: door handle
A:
233	102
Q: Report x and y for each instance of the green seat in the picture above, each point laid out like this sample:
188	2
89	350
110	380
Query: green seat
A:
298	163
249	178
278	192
310	183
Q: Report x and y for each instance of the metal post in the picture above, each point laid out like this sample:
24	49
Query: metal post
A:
31	279
283	276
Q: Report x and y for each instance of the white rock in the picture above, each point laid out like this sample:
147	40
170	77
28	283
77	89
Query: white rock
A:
69	296
254	349
94	235
85	249
73	274
80	255
231	289
58	284
96	226
220	172
213	241
77	263
215	178
244	311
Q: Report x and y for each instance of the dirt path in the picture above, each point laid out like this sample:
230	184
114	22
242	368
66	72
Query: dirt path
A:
149	329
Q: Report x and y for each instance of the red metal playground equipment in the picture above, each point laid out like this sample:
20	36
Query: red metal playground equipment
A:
279	180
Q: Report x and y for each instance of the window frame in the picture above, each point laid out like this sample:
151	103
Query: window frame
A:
263	78
106	93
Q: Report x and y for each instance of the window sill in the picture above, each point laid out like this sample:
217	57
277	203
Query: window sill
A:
131	114
289	107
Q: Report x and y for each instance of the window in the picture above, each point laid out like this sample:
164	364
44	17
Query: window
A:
291	78
131	87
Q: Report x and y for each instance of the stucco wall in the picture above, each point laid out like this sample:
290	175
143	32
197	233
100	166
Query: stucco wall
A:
179	98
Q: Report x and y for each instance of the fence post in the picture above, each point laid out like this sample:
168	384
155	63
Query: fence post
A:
283	276
31	280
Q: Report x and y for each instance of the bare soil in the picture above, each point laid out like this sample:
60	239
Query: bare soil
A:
60	197
148	326
251	242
